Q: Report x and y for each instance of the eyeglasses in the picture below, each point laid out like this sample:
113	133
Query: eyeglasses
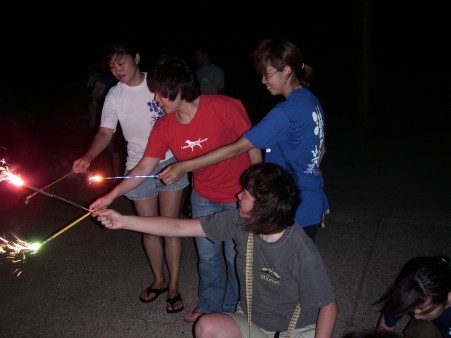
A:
266	76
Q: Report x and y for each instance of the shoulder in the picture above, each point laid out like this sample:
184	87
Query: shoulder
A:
223	105
220	99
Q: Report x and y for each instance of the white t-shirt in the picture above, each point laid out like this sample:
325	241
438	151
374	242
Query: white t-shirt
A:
136	110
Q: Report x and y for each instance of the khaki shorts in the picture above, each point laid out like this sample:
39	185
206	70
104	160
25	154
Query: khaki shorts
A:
257	332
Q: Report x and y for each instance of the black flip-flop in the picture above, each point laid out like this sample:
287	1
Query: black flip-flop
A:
157	292
172	301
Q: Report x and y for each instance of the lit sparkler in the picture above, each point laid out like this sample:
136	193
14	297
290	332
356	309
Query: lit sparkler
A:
98	178
16	251
5	174
48	185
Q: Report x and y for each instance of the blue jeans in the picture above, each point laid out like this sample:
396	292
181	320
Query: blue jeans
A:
218	289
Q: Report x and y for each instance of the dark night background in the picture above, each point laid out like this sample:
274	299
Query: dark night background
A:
388	58
380	67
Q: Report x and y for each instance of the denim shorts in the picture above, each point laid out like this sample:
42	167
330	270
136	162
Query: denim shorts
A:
151	186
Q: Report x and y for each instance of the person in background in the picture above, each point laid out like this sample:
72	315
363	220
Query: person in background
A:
211	81
96	90
132	104
284	286
93	76
293	132
210	75
422	290
193	125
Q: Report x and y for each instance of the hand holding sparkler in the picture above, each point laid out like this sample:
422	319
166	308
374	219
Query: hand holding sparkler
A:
104	201
110	219
172	173
81	165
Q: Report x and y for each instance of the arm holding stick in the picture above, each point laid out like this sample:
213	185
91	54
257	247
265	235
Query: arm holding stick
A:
175	171
158	226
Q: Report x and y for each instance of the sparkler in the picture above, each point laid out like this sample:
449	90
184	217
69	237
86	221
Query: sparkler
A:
99	178
59	232
48	185
16	250
5	174
55	196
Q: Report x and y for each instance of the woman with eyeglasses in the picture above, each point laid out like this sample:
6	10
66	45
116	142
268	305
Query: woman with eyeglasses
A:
292	133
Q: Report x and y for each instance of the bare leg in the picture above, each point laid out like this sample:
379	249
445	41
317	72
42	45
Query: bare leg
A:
153	246
170	202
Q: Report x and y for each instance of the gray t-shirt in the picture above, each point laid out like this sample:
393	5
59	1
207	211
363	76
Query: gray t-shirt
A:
285	273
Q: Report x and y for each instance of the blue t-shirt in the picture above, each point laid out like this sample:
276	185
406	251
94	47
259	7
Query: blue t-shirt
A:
293	135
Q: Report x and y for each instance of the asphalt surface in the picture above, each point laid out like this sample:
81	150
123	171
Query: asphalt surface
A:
389	197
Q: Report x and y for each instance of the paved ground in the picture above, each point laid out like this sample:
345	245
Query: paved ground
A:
389	197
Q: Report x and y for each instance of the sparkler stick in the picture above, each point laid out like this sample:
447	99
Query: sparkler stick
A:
56	197
5	174
59	232
16	251
137	176
48	185
99	178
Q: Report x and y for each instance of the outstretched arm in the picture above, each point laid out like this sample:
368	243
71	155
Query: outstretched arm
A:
158	226
98	144
144	167
175	171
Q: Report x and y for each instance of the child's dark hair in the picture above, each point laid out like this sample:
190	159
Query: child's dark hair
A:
420	279
276	198
171	75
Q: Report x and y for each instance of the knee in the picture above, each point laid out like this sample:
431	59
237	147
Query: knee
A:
204	327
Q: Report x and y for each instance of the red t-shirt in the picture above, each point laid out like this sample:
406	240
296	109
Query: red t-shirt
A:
219	120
